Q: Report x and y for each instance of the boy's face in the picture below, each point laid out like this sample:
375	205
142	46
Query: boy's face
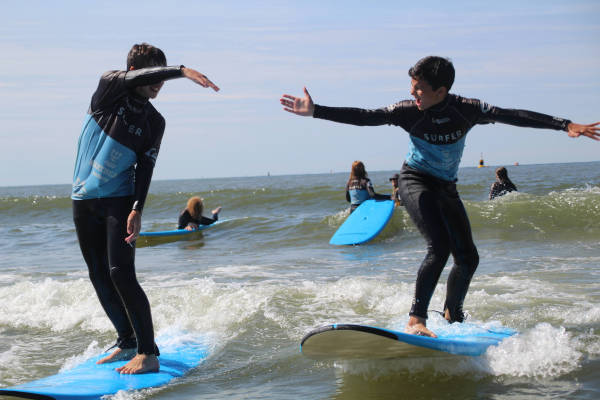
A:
424	94
149	91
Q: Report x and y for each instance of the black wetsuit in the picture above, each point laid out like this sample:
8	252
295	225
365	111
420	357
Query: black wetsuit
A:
185	218
501	188
427	181
116	153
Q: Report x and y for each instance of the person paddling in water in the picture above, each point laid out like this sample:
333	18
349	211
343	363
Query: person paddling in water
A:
437	123
117	150
360	188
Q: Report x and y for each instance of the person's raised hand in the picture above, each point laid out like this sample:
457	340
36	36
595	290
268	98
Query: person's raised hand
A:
298	105
199	78
591	130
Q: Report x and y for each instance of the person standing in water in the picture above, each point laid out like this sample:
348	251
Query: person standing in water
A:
359	187
502	185
116	154
437	123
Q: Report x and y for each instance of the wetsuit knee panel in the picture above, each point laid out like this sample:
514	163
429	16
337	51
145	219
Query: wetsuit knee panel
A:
122	277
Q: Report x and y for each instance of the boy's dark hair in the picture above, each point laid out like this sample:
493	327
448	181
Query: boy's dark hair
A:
437	71
145	55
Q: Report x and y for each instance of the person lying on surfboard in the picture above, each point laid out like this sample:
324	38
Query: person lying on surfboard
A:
116	154
191	217
437	122
359	187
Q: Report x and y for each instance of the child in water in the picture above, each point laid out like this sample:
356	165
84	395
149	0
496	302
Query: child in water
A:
359	187
502	185
396	190
191	217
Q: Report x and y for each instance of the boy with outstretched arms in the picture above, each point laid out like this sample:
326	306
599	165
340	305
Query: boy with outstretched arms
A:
116	154
437	123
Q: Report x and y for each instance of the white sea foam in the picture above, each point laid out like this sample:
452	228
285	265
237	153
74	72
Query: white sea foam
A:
89	352
52	304
185	308
544	351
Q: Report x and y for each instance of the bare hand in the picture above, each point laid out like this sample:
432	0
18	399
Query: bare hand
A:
191	226
300	106
592	130
134	225
199	78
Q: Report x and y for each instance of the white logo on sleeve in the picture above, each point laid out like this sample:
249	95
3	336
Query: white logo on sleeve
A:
152	153
485	107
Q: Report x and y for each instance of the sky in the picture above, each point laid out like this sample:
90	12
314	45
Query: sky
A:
536	55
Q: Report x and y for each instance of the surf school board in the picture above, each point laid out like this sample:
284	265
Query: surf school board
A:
364	223
89	381
350	341
176	232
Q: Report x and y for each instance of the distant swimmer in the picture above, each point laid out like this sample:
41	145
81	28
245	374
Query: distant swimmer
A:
191	217
359	187
437	123
502	185
395	190
117	150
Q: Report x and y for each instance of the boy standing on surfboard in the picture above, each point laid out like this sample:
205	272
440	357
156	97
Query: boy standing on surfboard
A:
437	123
116	154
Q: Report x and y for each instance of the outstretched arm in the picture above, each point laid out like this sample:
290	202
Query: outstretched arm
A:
153	75
592	130
199	78
298	105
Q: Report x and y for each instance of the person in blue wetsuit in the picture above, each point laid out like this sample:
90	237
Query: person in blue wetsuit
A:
117	150
437	122
359	187
191	217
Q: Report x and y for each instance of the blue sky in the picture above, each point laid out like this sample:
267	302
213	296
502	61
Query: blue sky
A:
537	55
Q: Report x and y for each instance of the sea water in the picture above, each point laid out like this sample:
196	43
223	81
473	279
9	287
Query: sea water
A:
255	284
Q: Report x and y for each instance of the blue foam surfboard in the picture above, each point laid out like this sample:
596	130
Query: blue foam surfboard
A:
176	232
364	223
89	381
351	341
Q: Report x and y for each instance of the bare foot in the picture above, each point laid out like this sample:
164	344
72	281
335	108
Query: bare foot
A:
140	364
417	326
118	355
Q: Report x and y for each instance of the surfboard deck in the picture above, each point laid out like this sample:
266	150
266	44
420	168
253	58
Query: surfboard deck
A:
353	341
177	232
89	381
366	222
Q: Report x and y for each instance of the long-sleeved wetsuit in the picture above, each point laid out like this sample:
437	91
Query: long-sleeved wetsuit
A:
427	181
116	154
359	190
185	218
501	188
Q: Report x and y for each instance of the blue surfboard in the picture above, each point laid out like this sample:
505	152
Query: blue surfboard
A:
177	232
364	223
350	341
90	381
